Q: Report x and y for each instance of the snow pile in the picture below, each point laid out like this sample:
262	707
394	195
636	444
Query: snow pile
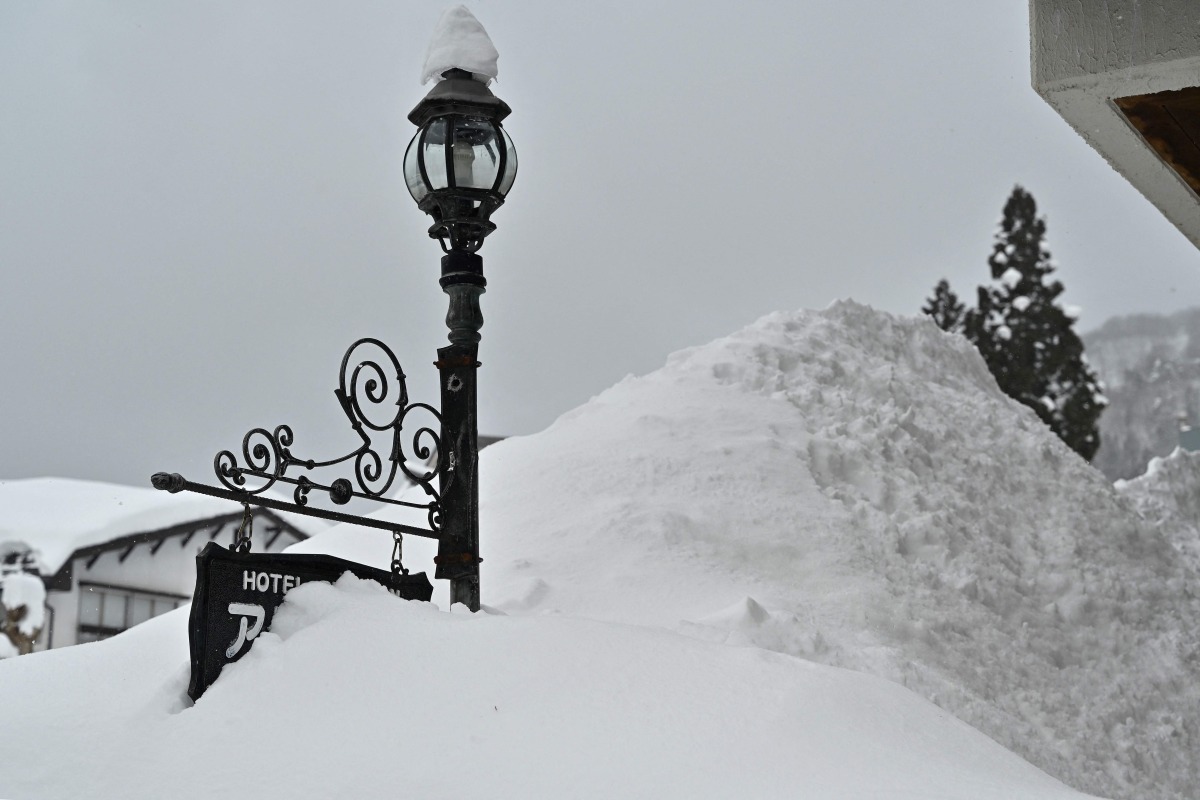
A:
1168	496
357	694
885	508
459	41
853	488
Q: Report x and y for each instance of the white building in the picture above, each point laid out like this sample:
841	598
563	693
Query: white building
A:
1126	75
113	556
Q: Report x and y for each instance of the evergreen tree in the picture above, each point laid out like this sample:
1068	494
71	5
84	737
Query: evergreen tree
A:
1027	339
945	308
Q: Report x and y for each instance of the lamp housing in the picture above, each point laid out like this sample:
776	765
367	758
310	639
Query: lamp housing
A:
461	163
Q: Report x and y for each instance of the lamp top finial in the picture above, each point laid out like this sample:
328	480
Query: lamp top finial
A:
460	42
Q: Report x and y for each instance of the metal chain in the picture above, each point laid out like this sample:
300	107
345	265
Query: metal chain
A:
245	529
398	553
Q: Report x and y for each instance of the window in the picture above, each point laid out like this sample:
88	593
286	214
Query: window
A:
105	611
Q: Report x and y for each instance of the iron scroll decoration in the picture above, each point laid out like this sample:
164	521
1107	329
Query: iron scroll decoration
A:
373	395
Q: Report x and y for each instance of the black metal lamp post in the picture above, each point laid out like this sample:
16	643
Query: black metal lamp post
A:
459	167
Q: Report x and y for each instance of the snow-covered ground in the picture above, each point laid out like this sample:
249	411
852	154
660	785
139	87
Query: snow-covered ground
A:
679	571
356	694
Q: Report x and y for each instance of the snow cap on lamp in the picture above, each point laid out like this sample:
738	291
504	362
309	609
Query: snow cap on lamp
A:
460	42
460	163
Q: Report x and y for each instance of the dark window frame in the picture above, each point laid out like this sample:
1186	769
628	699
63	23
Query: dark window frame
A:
99	632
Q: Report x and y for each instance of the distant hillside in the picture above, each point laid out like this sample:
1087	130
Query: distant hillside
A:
1150	364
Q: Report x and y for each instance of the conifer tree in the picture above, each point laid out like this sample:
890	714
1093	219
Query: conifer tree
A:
945	308
1026	337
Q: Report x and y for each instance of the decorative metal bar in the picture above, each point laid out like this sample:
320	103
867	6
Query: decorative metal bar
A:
304	485
174	482
373	395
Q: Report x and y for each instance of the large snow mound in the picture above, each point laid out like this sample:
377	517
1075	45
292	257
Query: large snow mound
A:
357	694
853	488
862	480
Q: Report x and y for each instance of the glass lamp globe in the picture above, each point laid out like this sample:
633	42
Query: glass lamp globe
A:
461	163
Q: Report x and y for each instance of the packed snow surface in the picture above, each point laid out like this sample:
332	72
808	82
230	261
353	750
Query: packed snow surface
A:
355	693
459	41
1168	496
685	562
864	482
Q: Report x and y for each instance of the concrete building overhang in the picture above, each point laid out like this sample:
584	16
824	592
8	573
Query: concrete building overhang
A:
1125	74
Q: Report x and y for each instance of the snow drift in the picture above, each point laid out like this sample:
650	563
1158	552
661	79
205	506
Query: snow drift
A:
357	694
886	508
853	488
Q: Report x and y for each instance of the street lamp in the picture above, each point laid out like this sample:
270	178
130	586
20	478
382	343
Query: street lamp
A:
459	167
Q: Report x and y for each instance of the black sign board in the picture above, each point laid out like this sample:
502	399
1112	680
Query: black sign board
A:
237	594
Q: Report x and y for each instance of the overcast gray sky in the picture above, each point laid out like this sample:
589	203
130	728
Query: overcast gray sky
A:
201	204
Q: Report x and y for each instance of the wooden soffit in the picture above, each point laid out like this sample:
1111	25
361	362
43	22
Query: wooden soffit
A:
1169	122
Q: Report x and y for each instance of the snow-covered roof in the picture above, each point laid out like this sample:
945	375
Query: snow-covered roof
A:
57	516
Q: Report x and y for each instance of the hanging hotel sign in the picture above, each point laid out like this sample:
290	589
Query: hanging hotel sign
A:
237	594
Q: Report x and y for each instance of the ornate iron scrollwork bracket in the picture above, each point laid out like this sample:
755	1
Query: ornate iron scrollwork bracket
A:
374	397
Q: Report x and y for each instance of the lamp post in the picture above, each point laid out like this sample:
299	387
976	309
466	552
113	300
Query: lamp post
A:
459	167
